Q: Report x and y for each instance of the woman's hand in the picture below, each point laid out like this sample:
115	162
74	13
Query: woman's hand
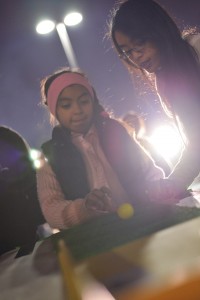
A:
167	191
99	200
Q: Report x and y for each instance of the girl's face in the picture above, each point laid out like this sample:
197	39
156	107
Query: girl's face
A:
74	108
142	55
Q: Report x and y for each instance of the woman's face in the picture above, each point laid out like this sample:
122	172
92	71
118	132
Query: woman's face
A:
142	55
74	108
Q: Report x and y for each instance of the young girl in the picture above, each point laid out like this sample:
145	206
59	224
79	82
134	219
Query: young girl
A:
152	47
92	164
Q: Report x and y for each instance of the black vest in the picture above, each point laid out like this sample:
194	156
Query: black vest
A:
121	151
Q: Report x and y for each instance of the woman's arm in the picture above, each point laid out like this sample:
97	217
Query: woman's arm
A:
188	166
152	172
185	107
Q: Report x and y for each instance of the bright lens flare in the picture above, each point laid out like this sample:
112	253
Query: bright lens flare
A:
37	163
167	141
35	156
73	18
45	27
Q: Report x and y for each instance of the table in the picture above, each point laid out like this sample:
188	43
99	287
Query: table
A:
102	234
34	277
153	248
164	259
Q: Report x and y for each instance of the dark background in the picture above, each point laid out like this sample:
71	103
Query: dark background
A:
26	57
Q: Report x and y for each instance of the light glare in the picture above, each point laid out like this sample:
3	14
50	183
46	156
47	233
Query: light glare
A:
167	141
35	154
73	18
45	27
37	163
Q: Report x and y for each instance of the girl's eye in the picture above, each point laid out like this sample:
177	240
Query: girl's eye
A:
84	101
66	105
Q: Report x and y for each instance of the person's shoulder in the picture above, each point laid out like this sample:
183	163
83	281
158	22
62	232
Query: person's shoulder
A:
46	146
46	143
194	40
115	127
116	130
114	123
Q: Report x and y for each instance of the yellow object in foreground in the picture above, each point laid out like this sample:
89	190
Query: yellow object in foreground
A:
125	211
69	277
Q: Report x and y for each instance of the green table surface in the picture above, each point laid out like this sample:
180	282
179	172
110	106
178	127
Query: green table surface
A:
109	231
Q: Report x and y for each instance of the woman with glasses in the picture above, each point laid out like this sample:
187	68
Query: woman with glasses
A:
153	48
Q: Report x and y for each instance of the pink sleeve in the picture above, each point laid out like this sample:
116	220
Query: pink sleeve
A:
59	212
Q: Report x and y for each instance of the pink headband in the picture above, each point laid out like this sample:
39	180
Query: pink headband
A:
61	82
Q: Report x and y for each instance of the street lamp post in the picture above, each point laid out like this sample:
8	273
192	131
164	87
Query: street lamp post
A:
71	19
66	43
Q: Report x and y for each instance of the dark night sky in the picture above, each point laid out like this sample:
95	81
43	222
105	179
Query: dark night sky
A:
27	57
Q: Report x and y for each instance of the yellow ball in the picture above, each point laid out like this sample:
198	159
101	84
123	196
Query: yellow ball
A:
125	211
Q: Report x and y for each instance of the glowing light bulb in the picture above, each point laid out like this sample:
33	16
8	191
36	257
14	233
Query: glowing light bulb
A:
73	18
45	27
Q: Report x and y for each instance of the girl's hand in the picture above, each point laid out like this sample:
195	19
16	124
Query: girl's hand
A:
99	200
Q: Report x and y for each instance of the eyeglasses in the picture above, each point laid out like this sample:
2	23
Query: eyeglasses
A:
128	55
125	55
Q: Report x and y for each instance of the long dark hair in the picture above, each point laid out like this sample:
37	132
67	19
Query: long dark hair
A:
146	20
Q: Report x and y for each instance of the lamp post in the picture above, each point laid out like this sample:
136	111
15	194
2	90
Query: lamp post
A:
71	19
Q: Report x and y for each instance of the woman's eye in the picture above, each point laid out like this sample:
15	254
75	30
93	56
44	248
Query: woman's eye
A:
140	48
125	54
129	52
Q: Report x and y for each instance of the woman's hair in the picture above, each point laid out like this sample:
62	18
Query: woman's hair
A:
146	20
46	82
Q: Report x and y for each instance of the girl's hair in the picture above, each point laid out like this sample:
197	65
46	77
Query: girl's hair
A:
46	82
146	20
